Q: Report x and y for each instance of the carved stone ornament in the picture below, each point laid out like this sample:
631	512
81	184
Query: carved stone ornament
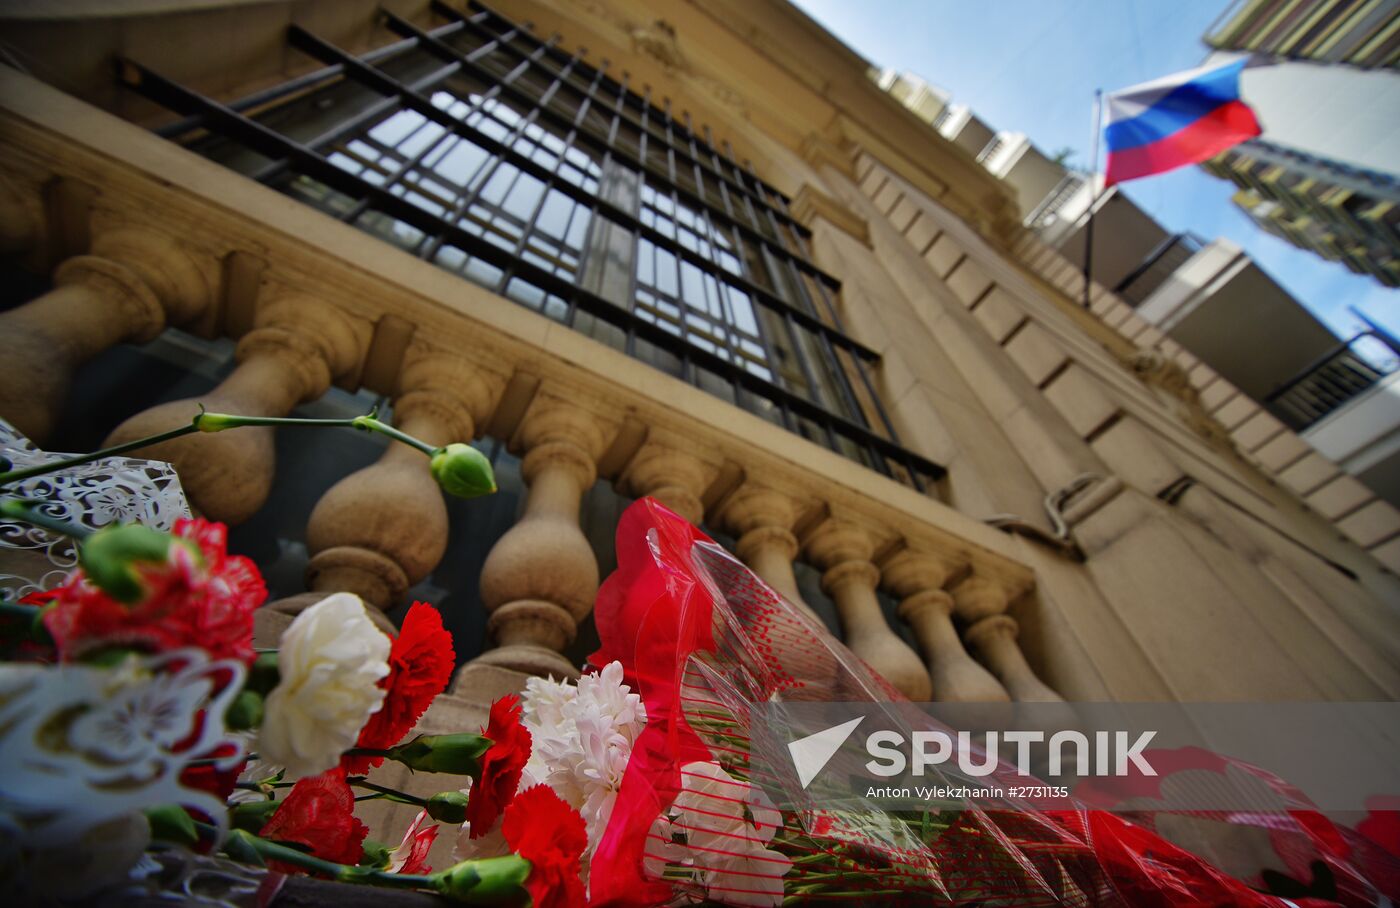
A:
658	41
1157	371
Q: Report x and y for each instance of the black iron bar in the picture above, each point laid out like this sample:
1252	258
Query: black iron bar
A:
385	84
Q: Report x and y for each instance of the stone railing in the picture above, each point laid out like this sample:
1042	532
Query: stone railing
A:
177	241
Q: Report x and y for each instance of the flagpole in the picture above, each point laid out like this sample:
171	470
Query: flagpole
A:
1093	194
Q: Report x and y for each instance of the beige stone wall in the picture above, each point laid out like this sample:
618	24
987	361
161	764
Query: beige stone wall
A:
1228	589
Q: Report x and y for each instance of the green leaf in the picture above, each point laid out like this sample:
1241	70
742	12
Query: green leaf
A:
376	854
252	815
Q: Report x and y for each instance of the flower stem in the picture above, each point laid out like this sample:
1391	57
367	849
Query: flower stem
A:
345	873
28	512
234	421
392	793
370	424
216	422
53	465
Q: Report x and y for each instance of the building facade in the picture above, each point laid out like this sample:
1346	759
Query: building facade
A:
682	251
1364	33
1325	175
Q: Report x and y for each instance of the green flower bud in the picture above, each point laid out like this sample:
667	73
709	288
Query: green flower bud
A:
486	881
448	807
109	558
462	471
246	710
459	754
252	815
170	823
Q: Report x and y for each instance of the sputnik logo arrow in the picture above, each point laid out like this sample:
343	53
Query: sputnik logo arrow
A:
811	753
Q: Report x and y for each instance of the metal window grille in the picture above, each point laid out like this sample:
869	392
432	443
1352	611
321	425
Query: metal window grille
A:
502	158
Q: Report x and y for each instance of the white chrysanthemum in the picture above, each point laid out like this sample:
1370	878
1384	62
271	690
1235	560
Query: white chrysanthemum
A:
582	738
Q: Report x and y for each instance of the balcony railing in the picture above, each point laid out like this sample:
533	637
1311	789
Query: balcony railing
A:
1330	382
1159	265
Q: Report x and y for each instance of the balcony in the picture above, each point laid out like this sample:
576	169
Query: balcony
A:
1332	381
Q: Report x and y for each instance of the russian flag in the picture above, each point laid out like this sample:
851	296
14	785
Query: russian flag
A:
1176	120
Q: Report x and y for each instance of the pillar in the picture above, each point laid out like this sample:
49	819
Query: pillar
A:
132	285
843	549
382	529
296	347
918	578
540	579
663	469
982	603
762	519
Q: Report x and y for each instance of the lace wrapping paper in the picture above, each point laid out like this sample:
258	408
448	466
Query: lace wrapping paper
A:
91	495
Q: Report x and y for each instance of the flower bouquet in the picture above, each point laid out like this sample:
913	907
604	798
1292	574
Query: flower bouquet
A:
137	719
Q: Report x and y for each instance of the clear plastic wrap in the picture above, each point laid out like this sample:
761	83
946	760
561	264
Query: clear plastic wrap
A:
702	639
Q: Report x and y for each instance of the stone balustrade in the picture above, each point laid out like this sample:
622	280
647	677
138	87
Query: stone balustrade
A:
382	529
761	519
666	469
919	579
540	579
298	345
844	549
982	604
308	321
132	284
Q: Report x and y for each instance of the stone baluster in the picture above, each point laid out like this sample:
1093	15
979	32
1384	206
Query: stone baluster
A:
918	579
128	289
541	577
982	603
382	529
664	470
19	228
843	549
297	346
762	520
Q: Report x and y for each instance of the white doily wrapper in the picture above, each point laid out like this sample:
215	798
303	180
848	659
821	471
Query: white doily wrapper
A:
91	495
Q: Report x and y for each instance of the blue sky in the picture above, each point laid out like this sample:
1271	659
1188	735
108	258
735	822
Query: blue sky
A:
1032	66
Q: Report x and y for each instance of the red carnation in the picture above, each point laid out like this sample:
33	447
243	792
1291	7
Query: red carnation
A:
319	814
544	830
420	665
501	765
198	596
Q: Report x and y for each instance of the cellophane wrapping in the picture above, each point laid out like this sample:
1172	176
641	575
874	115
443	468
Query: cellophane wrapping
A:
703	639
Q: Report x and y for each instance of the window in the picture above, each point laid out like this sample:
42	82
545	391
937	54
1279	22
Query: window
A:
496	156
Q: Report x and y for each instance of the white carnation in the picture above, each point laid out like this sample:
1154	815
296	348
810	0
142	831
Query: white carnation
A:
331	660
